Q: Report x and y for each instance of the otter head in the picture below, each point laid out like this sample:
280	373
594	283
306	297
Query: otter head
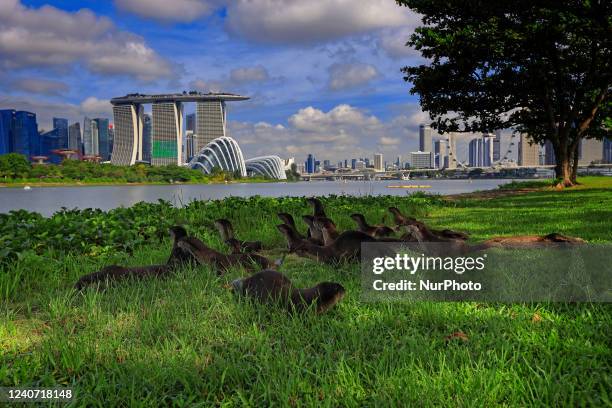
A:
238	286
177	232
358	218
292	239
286	218
328	294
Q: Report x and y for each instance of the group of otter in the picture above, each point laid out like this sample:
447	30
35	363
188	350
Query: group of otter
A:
322	242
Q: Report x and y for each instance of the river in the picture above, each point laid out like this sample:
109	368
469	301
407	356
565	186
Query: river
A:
47	200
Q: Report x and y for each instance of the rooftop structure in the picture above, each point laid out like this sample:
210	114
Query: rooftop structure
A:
166	125
191	96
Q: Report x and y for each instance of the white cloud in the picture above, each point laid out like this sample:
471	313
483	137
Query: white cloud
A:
93	105
389	141
49	37
39	86
342	132
249	74
393	41
297	21
168	10
350	75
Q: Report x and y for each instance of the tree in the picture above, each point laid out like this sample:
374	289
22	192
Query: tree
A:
13	165
540	67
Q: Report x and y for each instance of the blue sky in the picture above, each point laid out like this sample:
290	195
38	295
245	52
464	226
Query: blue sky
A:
324	76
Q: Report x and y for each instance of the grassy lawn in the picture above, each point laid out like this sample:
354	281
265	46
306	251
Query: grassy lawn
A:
186	341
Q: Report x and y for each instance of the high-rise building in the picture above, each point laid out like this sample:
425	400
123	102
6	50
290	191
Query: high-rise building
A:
7	122
528	154
90	137
326	164
378	162
26	139
101	125
488	149
189	150
146	138
167	133
353	164
310	164
420	160
441	152
190	122
74	137
61	125
475	153
549	154
127	147
607	151
590	152
497	145
425	138
360	165
111	137
210	122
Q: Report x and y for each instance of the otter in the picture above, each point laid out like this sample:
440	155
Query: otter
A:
116	272
221	262
270	286
317	207
375	231
315	235
226	230
178	256
327	228
288	220
403	220
346	247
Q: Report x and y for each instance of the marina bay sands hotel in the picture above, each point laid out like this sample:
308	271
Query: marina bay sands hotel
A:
166	125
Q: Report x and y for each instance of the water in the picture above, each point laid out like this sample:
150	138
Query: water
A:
47	200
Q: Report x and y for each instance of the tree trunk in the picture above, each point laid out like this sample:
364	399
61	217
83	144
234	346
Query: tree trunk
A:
575	166
563	167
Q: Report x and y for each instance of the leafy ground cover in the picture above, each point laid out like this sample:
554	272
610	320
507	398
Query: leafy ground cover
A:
187	341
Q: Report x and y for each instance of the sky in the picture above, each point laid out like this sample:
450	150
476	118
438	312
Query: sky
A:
323	76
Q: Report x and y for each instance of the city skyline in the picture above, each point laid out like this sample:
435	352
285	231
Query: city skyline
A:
321	90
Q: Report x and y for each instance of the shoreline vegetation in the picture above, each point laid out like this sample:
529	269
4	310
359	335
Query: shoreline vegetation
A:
17	171
187	340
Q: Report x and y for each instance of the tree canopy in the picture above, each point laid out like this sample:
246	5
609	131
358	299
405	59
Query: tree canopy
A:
539	67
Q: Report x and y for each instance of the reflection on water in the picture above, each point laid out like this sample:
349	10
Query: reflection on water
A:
47	200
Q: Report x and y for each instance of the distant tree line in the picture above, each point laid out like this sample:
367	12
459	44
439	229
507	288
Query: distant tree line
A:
16	167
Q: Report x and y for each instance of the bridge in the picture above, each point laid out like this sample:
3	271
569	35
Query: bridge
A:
405	174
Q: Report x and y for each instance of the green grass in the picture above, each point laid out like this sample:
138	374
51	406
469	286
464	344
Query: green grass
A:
187	341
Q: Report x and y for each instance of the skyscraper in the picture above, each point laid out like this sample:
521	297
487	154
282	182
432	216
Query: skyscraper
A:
210	122
497	145
425	138
7	122
24	134
167	133
310	164
528	154
549	154
90	137
103	139
488	149
378	162
441	148
607	151
475	153
61	125
146	137
74	137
